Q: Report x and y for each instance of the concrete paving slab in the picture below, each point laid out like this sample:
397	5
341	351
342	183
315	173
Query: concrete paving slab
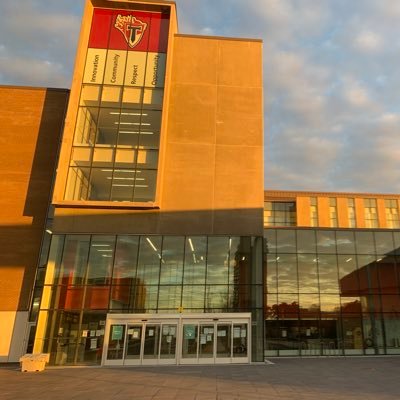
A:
320	379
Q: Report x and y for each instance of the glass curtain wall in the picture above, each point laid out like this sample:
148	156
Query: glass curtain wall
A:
332	292
117	134
88	276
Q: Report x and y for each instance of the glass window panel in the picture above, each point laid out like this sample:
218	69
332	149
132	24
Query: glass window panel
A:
392	328
132	98
153	99
270	240
128	137
271	306
97	297
100	185
326	242
122	297
240	260
330	305
345	242
328	274
216	297
125	158
126	254
373	338
348	275
308	276
145	185
100	259
240	296
396	236
107	126
74	261
147	159
388	277
287	273
149	295
309	305
353	341
193	297
384	242
90	95
368	274
217	260
390	303
195	260
172	260
365	243
81	157
169	297
271	274
148	270
122	191
151	121
86	126
306	241
288	305
103	157
66	297
91	345
286	241
111	96
350	305
77	184
149	139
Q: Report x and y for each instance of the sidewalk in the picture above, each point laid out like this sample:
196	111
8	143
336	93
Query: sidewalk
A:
299	379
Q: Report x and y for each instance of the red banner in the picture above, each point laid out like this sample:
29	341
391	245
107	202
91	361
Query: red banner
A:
129	30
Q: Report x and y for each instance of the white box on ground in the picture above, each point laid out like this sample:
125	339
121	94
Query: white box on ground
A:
34	362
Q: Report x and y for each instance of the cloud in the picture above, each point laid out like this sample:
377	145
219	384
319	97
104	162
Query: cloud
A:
38	45
368	41
332	87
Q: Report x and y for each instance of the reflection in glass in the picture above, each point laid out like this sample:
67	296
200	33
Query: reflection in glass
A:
101	259
74	261
218	259
308	273
169	297
148	270
172	260
287	273
306	241
345	242
328	274
326	242
286	241
195	260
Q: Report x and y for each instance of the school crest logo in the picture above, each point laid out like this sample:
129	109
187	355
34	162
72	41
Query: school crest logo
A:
132	28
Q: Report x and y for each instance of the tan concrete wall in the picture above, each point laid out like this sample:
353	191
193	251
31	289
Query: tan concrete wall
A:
323	212
303	211
343	214
380	206
31	121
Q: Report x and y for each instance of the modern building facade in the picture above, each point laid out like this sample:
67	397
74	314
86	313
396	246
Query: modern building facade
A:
156	243
331	274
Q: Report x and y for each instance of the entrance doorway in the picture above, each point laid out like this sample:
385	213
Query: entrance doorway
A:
133	339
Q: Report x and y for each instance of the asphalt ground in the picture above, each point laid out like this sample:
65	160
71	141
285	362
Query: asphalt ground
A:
366	378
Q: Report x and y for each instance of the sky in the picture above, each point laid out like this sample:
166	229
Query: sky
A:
331	78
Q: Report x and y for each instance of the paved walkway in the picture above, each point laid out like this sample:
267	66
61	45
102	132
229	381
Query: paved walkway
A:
308	379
